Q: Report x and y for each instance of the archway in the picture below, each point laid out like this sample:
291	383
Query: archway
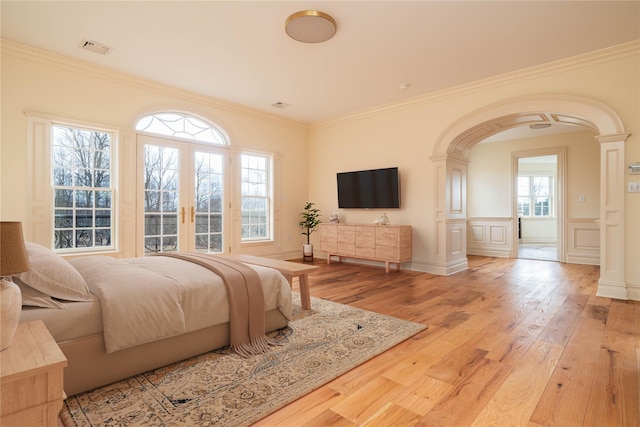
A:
450	165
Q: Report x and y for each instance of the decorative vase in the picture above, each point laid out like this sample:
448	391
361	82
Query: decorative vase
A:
383	220
10	308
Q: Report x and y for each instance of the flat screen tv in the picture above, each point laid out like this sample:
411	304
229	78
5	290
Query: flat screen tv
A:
374	188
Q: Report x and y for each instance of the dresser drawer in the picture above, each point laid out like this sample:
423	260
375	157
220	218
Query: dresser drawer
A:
386	236
388	253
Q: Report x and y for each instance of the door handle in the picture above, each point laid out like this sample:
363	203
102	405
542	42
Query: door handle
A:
182	213
193	214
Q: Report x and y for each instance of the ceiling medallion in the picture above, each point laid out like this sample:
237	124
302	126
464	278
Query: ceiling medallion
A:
310	26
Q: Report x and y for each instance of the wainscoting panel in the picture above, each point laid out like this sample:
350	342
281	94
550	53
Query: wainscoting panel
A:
583	241
489	237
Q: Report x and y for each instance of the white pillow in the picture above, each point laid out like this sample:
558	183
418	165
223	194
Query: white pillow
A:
53	276
35	298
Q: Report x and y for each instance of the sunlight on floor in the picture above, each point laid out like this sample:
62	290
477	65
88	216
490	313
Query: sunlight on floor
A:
541	251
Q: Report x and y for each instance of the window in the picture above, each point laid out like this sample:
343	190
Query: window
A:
535	196
209	201
182	126
256	197
160	174
185	185
177	193
83	188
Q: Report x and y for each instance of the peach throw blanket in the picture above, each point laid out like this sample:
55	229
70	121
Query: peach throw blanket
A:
246	301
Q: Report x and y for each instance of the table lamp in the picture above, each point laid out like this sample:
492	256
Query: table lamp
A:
13	260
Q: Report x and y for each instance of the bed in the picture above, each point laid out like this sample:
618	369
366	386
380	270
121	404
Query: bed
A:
115	318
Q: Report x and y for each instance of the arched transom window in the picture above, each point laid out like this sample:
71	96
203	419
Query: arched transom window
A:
182	126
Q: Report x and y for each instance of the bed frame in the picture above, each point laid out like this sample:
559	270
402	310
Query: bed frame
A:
89	365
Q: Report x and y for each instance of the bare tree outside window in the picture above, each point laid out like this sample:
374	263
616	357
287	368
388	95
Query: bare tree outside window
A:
535	196
164	209
160	199
256	197
82	188
209	186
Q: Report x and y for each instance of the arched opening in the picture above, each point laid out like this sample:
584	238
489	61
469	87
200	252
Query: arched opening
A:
450	158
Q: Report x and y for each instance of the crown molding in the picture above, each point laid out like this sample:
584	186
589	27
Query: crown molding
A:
567	64
591	58
45	57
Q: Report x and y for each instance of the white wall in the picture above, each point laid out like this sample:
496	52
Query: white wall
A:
404	135
489	180
489	173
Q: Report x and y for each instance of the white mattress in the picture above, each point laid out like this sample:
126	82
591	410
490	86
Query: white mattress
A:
77	319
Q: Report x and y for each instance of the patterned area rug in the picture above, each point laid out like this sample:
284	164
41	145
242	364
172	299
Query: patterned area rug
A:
222	389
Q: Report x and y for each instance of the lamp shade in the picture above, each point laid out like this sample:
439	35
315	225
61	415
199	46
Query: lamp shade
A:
13	254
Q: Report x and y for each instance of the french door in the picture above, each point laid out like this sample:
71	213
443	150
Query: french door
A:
183	196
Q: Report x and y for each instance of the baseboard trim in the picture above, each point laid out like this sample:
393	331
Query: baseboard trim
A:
613	290
495	253
582	259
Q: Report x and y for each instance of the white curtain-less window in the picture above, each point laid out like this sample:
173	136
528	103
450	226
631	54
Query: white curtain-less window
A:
184	194
535	196
256	197
83	190
170	191
184	185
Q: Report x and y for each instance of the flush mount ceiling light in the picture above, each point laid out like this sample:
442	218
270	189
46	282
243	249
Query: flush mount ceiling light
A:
310	26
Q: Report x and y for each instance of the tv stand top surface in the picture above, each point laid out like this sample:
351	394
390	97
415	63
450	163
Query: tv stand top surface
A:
364	224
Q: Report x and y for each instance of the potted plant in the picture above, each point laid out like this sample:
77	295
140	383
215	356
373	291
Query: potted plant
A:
310	219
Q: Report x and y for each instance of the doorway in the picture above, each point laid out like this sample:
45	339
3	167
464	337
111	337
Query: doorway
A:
537	201
183	191
539	178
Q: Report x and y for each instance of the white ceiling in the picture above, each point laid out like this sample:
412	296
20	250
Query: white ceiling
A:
237	51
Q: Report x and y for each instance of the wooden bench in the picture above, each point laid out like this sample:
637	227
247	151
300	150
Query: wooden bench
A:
288	270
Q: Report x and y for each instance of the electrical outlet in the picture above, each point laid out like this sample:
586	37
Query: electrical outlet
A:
633	187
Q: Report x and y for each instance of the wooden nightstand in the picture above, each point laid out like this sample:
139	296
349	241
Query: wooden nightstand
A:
31	387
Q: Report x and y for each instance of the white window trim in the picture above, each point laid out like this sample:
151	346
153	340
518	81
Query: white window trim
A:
40	221
269	157
236	199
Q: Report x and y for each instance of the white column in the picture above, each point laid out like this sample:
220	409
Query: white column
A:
612	193
450	215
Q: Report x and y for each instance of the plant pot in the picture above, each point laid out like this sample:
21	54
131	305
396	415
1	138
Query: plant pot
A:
307	252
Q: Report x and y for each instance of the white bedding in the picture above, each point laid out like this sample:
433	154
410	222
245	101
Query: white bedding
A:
148	299
74	320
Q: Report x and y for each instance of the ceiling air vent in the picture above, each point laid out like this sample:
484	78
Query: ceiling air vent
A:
280	104
96	47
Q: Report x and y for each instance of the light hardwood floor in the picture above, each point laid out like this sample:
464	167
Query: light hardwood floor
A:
510	342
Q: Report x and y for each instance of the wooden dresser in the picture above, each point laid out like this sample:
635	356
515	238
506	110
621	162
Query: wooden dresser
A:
31	385
387	243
